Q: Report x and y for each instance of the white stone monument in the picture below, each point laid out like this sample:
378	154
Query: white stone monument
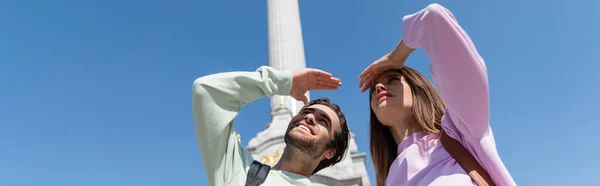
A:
286	52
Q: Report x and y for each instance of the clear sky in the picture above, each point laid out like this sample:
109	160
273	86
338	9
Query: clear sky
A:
99	92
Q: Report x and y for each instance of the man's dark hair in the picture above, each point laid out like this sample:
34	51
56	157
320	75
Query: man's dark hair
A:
339	141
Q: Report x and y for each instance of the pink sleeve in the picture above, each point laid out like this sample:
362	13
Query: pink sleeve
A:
456	67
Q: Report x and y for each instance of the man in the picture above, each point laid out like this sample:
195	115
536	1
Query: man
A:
316	138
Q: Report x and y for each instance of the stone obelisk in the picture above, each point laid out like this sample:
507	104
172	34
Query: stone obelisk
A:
286	48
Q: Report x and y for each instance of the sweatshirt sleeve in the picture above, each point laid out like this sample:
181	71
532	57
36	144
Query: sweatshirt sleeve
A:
458	70
216	101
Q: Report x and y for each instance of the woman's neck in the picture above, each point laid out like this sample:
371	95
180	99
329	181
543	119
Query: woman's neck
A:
402	130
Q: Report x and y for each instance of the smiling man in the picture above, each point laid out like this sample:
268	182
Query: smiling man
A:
316	138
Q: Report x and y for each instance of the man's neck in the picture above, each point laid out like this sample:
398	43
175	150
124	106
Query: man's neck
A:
294	161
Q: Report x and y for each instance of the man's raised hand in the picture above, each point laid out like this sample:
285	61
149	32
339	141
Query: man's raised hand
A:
312	79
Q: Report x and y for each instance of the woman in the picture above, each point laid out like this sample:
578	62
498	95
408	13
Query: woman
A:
408	114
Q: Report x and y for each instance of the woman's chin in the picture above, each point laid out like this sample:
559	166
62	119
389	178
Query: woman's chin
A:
384	107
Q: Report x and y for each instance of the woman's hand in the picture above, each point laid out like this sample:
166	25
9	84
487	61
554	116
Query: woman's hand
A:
372	71
393	60
312	79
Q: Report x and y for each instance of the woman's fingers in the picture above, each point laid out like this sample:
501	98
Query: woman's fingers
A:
361	83
370	73
367	81
363	76
364	82
367	70
375	66
367	78
365	85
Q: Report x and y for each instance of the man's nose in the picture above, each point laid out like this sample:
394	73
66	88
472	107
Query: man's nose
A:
309	119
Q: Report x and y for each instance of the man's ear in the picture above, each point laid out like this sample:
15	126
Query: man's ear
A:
329	153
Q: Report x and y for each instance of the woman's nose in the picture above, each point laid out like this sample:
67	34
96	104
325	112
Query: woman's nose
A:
379	87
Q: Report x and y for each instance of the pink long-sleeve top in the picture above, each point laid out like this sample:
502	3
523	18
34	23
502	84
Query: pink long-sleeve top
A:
461	76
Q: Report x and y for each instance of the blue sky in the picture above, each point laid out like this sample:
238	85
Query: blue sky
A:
99	92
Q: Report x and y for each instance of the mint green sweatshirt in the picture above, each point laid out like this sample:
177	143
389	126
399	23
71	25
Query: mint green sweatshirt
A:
216	101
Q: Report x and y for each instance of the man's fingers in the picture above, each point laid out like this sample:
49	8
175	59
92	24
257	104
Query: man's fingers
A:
329	79
320	73
319	79
303	99
328	85
332	80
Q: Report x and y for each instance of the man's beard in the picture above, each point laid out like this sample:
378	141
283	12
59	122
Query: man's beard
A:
311	147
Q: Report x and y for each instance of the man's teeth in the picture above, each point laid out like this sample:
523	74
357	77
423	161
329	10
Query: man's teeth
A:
305	128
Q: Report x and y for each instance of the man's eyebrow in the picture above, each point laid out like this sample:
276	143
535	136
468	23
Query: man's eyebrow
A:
309	109
326	117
